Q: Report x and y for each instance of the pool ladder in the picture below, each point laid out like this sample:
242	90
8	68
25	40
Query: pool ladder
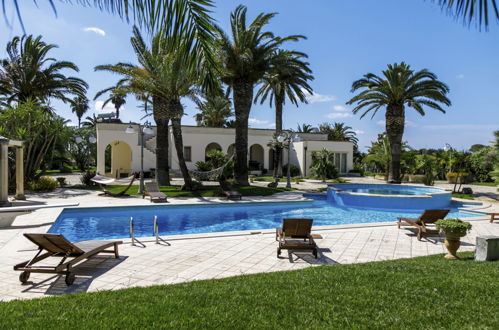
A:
159	240
155	232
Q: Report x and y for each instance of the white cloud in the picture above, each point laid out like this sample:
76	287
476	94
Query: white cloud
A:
359	132
254	121
338	115
318	98
380	123
108	108
339	108
460	76
272	125
95	30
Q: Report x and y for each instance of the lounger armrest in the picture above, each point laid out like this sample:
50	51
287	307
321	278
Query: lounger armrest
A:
278	233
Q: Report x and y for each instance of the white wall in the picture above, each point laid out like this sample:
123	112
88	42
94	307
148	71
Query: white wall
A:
199	137
304	151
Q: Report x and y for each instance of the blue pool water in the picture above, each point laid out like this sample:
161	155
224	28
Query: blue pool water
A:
113	222
386	196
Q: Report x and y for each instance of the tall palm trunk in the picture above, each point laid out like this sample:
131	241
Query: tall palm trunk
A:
395	121
279	101
176	106
243	98
162	144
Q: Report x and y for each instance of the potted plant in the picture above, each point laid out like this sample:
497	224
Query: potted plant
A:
251	178
297	179
453	229
62	181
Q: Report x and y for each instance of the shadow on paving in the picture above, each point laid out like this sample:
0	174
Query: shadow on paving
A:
295	256
489	195
85	272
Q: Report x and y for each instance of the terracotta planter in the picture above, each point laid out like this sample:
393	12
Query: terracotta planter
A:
452	243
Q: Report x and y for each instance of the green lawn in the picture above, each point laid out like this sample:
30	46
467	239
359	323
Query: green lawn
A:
420	293
205	191
69	169
271	179
463	196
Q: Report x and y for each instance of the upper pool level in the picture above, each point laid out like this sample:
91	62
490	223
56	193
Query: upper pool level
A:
386	196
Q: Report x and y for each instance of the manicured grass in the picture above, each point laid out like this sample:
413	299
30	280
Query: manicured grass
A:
420	293
69	170
489	184
271	179
205	191
463	196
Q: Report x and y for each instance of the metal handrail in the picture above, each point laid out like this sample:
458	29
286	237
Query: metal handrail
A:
132	231
156	229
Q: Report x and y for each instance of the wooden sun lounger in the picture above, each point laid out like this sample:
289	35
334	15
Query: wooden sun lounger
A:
492	216
428	217
228	192
57	245
295	234
155	195
102	180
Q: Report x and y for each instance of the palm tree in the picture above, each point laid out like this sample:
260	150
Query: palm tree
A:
305	128
245	58
379	154
339	132
480	11
399	87
28	73
153	15
168	71
90	121
79	106
117	97
287	77
215	111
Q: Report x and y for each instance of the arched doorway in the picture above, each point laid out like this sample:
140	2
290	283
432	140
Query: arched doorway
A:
256	158
210	147
118	159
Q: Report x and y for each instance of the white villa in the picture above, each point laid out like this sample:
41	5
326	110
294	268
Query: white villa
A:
125	149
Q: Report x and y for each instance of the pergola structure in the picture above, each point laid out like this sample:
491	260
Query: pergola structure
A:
5	144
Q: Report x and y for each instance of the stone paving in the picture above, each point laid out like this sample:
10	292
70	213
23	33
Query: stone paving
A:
196	257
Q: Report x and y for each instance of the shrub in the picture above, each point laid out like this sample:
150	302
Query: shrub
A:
294	170
429	179
61	181
65	169
43	184
203	166
416	178
86	178
323	165
453	226
461	177
251	178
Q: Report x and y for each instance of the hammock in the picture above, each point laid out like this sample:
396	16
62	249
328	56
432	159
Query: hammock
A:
104	180
210	175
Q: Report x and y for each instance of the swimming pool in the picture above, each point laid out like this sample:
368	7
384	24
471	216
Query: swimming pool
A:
113	222
389	196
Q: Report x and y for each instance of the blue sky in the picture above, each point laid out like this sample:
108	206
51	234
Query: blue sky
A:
346	39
